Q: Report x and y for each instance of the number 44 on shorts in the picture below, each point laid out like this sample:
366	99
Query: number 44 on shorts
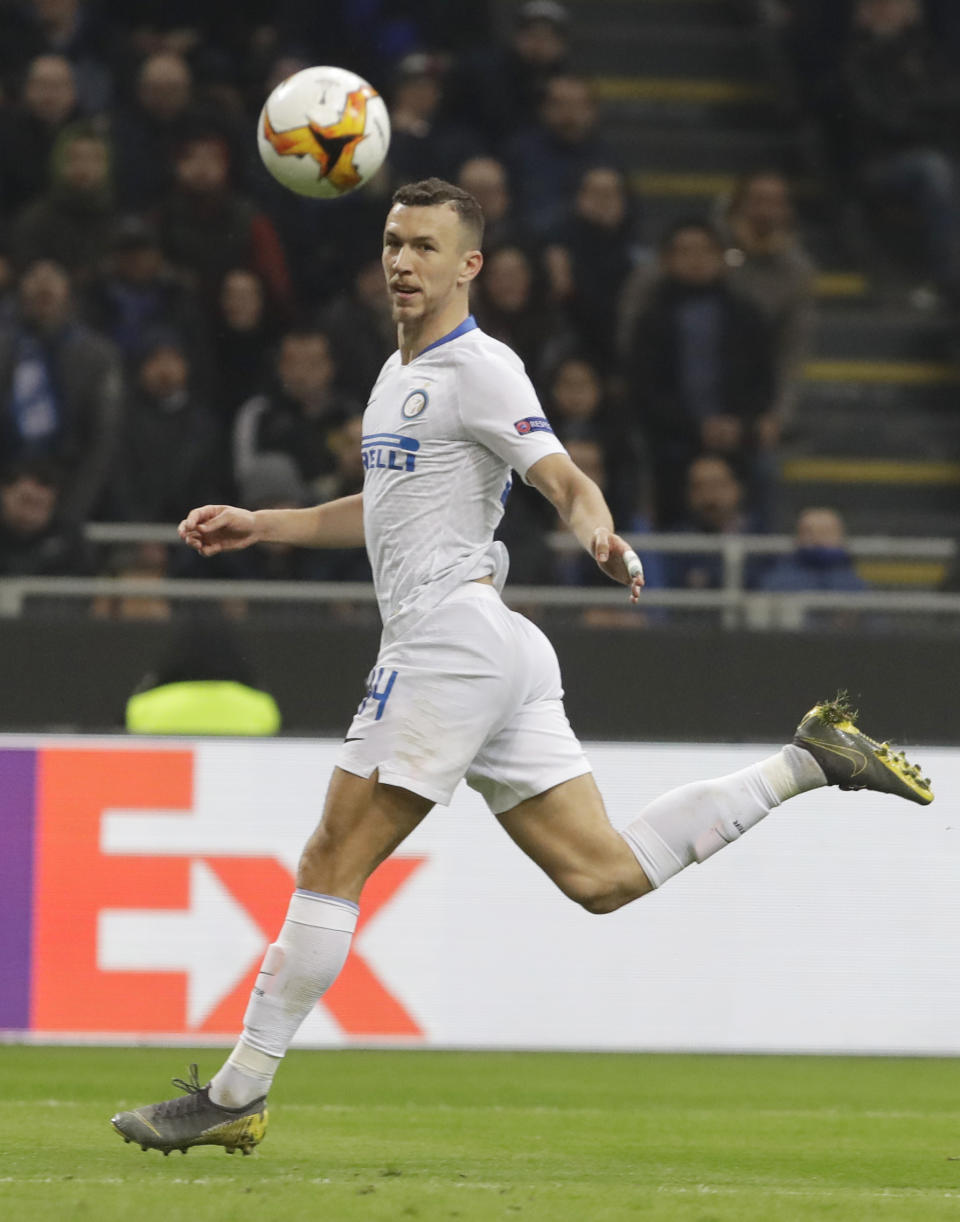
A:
379	686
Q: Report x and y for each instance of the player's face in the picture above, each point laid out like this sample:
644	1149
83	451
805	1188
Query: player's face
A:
425	260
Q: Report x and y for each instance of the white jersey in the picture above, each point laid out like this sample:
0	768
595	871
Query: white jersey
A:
440	438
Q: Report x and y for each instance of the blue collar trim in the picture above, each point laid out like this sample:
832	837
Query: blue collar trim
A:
468	324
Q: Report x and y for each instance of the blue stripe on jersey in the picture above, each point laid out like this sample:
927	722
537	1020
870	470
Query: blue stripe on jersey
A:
468	324
390	439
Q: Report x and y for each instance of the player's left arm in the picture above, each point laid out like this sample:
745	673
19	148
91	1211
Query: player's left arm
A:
581	504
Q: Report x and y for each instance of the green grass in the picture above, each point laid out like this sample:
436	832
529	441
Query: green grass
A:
474	1136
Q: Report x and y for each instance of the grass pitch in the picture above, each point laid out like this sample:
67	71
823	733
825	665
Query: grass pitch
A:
473	1136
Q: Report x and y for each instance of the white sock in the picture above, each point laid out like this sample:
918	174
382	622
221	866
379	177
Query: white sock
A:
296	971
693	822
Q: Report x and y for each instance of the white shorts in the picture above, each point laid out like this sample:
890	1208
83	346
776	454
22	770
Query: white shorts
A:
475	694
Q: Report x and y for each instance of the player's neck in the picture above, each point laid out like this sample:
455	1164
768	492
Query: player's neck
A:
417	335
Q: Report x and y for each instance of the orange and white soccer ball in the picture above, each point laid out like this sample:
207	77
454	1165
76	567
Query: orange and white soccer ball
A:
323	132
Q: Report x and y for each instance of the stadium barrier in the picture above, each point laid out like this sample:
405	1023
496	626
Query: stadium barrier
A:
141	881
732	604
664	682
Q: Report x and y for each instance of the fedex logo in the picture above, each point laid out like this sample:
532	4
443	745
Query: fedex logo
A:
133	907
389	451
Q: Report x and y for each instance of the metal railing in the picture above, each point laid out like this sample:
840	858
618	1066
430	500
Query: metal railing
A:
741	608
736	606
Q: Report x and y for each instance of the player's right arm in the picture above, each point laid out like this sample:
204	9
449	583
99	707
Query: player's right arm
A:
212	529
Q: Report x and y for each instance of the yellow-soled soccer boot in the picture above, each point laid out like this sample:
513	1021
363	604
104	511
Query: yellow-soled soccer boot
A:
851	760
193	1120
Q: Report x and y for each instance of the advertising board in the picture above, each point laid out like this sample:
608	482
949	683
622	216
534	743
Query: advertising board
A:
140	882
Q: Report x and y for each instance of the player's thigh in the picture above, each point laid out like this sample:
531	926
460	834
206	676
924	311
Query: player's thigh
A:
565	830
363	822
433	698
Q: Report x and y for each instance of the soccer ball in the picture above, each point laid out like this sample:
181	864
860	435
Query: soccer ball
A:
323	132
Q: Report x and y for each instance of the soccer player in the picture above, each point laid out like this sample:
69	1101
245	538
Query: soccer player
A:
462	686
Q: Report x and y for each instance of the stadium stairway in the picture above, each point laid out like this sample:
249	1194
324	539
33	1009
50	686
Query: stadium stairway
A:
878	432
688	103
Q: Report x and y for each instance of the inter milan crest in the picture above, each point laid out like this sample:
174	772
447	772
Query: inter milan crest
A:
414	404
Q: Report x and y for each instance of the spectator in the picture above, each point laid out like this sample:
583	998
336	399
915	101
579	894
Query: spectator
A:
810	38
590	259
28	130
73	29
769	265
34	540
207	228
347	477
63	389
344	564
297	415
541	42
496	83
369	37
943	20
164	112
820	560
549	158
361	330
148	564
171	449
901	106
576	401
7	280
243	339
148	133
580	410
820	563
274	482
714	506
486	180
423	141
136	293
701	370
73	222
510	307
213	30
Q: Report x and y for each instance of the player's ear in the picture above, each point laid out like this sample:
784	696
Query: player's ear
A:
470	265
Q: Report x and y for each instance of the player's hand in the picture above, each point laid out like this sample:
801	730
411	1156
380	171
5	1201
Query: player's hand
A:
618	560
213	529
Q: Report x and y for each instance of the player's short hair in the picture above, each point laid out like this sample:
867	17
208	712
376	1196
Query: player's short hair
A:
430	192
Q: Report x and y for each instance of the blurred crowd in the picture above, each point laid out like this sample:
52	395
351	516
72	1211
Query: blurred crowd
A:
175	328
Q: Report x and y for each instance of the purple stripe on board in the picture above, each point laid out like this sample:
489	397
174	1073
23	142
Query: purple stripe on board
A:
17	784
